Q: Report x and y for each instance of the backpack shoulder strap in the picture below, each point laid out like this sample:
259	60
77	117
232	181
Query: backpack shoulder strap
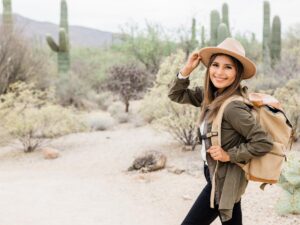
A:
217	121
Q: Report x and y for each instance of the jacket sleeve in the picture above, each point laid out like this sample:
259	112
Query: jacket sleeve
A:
180	93
257	141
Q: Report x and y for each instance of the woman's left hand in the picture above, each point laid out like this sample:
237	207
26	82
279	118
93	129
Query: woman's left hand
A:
217	153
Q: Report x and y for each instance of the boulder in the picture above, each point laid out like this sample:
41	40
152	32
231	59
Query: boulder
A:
149	161
50	153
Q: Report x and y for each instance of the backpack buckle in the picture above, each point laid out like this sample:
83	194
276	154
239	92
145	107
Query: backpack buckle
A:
212	134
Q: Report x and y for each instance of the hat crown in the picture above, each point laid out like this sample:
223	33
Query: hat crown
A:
232	45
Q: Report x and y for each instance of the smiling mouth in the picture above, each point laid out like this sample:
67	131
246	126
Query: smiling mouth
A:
219	78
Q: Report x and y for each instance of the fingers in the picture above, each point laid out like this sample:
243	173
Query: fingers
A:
215	152
195	56
214	149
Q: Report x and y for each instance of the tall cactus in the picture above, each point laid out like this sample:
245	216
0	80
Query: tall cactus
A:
276	40
193	37
225	17
7	13
266	27
222	32
63	48
203	37
214	24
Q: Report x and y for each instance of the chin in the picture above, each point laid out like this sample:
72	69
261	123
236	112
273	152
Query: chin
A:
218	86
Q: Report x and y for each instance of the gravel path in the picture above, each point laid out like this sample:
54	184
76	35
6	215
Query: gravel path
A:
89	184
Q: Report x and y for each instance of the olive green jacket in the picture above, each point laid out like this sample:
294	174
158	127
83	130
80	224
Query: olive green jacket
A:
241	136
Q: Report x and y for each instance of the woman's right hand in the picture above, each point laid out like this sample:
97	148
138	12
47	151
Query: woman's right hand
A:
192	62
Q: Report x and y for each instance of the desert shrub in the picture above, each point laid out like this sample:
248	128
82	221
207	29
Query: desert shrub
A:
289	96
263	83
72	91
289	201
116	110
31	116
97	122
289	65
104	99
19	61
179	120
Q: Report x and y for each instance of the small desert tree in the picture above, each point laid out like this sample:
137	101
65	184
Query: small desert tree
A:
179	120
128	81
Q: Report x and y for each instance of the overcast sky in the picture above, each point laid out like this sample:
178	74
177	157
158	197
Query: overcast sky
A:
109	15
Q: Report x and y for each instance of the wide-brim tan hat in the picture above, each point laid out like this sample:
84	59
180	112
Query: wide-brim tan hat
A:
233	48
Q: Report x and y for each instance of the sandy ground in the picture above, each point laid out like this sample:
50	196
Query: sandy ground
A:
89	185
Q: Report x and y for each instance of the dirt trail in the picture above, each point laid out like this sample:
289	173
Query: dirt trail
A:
89	185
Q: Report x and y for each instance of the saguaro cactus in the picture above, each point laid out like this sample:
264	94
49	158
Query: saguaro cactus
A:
266	27
7	13
225	17
222	32
214	24
276	40
193	37
203	36
63	47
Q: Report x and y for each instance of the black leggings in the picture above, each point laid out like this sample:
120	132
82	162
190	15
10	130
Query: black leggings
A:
202	214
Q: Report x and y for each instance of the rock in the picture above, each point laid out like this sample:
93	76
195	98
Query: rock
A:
50	153
186	197
175	170
187	148
149	161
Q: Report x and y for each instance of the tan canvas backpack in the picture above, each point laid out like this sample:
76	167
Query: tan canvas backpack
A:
267	110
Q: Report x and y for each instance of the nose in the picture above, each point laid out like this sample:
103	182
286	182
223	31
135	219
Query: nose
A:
219	71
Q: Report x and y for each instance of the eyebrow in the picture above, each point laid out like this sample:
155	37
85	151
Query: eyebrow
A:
227	64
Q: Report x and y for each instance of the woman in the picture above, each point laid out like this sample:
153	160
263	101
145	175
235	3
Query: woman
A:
242	137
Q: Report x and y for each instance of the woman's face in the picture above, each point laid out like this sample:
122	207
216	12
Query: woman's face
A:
222	72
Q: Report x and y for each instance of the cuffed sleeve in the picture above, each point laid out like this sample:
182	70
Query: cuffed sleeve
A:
257	142
180	76
180	93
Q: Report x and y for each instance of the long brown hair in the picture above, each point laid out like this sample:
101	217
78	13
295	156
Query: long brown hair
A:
212	102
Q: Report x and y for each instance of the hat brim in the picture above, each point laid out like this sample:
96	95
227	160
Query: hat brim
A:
249	66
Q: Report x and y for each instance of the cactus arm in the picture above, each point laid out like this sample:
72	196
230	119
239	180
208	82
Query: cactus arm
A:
54	47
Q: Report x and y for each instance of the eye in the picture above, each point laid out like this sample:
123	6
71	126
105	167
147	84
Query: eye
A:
229	67
215	64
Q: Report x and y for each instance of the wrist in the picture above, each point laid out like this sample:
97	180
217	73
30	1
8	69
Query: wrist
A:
186	71
227	157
